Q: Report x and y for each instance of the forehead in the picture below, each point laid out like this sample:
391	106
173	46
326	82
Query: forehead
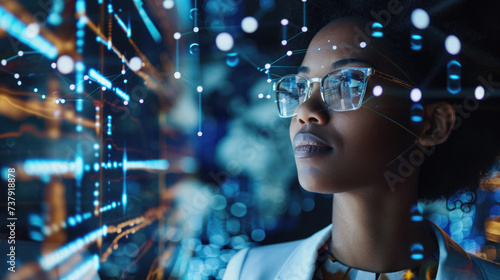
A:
340	42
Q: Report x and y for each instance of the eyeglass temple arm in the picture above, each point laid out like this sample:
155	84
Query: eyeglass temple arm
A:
392	79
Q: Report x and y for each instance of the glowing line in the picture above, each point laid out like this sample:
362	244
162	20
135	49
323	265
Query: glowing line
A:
147	21
18	29
159	164
122	94
49	261
122	24
392	121
199	112
176	55
304	14
83	269
100	79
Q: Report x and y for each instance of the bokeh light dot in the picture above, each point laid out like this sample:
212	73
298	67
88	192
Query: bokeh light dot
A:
362	45
20	53
4	62
168	4
177	75
200	133
177	35
65	64
53	65
415	95
479	93
420	18
16	75
249	24
224	41
199	89
334	47
135	63
452	44
304	29
284	42
72	87
196	29
260	95
267	66
32	30
289	53
125	102
284	22
141	100
377	90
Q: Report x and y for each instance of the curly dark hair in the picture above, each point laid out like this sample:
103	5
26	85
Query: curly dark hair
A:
456	168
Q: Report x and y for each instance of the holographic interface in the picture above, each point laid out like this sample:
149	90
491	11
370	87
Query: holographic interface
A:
128	149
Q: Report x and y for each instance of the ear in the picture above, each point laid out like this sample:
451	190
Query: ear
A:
437	124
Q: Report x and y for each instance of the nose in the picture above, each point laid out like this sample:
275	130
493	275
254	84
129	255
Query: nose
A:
314	109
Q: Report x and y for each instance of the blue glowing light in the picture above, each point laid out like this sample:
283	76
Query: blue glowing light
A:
416	42
82	270
100	79
54	258
454	69
122	94
232	59
17	29
377	30
123	26
158	164
147	21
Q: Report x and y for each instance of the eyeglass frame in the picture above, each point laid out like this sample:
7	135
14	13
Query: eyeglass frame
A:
368	71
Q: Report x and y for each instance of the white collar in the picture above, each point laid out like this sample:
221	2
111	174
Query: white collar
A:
453	260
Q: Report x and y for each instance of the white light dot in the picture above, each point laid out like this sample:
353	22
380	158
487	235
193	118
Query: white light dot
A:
168	4
249	24
123	72
177	75
20	53
479	93
260	95
32	30
72	87
268	81
135	63
65	64
196	29
268	96
452	44
63	101
267	66
86	77
103	88
334	47
4	62
56	101
125	102
224	41
200	133
304	1
284	42
19	83
125	81
289	53
53	65
43	96
415	95
284	22
141	100
199	89
377	90
304	29
16	75
362	45
420	18
177	35
35	90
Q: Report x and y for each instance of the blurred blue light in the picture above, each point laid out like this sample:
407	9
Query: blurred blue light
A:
453	81
238	209
377	30
258	235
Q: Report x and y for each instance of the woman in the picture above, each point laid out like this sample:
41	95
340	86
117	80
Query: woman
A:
357	135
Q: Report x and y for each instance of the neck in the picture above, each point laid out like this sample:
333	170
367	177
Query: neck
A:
373	229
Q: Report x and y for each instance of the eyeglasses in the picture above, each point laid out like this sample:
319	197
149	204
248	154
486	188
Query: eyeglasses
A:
342	89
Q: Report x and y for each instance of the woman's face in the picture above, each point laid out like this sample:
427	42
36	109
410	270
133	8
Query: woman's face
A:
341	151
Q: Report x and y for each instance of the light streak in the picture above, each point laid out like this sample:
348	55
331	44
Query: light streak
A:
17	29
122	94
54	258
126	29
100	79
87	266
147	21
159	164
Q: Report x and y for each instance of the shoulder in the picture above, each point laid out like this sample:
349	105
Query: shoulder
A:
262	262
488	269
278	261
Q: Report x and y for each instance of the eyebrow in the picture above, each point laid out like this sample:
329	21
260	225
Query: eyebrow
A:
337	64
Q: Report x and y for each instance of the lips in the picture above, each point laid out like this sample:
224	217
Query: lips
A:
309	145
